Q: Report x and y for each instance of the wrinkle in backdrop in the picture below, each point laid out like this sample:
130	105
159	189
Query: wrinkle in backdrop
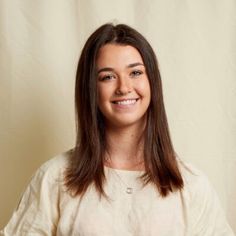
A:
40	42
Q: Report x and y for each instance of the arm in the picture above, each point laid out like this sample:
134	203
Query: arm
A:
207	216
37	212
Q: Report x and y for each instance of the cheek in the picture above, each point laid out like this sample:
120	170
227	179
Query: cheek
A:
144	88
101	92
103	95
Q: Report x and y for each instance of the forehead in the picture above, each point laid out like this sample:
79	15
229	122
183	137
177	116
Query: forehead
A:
115	55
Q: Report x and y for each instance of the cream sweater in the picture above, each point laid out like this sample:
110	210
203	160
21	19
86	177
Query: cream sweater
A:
47	209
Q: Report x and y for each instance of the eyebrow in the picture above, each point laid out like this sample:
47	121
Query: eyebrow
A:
128	66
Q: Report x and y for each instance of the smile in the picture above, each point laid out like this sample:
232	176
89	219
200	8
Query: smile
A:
126	102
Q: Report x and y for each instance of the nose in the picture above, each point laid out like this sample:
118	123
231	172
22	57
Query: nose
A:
124	86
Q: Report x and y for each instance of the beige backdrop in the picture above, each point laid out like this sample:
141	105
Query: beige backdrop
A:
40	42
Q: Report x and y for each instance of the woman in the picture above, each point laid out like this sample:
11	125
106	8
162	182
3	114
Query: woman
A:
123	177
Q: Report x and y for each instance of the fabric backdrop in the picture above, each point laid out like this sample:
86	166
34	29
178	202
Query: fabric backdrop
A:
40	42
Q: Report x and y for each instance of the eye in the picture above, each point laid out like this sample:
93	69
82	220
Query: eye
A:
107	77
136	73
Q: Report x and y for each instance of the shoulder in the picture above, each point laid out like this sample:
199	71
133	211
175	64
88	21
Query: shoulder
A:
197	186
56	164
194	178
206	215
50	175
40	199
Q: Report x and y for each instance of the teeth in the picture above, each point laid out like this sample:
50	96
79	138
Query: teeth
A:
126	102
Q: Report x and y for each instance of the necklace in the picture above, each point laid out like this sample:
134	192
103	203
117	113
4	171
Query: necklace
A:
129	189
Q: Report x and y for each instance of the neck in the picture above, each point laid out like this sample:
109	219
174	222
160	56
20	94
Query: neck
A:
125	147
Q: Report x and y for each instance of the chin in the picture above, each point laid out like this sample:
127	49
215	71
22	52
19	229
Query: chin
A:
127	122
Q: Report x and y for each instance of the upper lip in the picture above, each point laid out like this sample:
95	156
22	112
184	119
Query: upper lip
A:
124	99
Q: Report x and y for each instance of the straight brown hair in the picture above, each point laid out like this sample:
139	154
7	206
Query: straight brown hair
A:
86	165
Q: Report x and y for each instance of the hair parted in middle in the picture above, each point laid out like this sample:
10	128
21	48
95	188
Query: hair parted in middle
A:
87	162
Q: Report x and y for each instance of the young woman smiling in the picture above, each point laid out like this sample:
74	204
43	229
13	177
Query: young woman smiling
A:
123	99
123	177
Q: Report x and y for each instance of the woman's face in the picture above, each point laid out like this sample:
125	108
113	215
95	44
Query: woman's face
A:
123	85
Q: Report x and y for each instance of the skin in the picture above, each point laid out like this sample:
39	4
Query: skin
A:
123	98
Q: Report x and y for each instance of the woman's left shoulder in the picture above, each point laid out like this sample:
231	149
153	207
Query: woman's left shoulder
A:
206	215
194	178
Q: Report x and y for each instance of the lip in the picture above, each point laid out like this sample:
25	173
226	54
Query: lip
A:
125	106
124	99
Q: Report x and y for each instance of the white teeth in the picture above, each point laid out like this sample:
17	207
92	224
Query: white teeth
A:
126	102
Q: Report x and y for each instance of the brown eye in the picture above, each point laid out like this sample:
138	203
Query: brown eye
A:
107	77
136	73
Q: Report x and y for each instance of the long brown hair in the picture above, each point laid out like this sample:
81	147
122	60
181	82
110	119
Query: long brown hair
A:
87	158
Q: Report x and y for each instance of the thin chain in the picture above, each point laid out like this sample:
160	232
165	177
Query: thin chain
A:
129	189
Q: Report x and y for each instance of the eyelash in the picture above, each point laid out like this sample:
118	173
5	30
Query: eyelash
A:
134	73
106	77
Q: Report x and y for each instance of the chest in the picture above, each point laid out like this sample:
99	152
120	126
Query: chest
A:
140	213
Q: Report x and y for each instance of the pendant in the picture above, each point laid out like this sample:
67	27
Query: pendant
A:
129	190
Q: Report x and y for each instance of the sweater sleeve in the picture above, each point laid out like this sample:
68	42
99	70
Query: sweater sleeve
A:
207	216
37	212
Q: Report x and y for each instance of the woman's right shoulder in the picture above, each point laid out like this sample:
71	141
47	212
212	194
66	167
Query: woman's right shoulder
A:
40	200
57	162
53	169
